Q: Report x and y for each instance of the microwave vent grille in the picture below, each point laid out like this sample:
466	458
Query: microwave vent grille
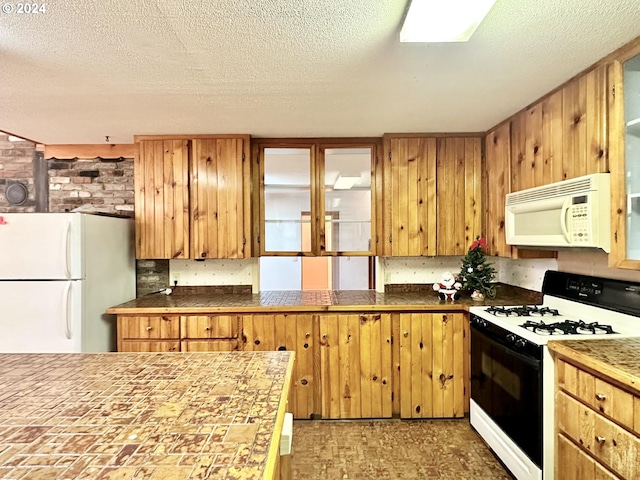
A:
560	189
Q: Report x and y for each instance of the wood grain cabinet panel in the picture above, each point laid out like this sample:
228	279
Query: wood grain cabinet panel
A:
432	191
219	228
355	365
497	185
148	333
161	182
432	365
288	332
209	326
577	465
600	419
230	345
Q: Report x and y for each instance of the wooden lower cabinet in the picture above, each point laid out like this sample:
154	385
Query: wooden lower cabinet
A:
149	333
596	418
433	368
355	365
288	332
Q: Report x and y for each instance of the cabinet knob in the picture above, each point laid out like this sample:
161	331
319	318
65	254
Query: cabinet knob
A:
307	335
324	335
601	396
406	334
149	328
600	439
207	328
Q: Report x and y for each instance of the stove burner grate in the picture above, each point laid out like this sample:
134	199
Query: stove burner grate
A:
523	311
568	327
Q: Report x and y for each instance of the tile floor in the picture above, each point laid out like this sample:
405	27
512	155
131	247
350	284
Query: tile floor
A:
391	449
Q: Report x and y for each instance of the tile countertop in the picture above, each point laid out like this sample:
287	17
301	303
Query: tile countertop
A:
316	301
617	359
127	416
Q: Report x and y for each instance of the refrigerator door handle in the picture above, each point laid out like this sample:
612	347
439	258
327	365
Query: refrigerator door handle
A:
67	258
68	313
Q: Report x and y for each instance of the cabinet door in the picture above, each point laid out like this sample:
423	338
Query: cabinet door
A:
432	365
497	185
409	195
355	365
459	194
573	464
219	210
624	131
161	181
288	332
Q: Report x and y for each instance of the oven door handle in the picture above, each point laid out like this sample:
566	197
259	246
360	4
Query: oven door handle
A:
528	359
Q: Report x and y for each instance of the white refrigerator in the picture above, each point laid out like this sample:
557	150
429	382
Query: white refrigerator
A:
59	272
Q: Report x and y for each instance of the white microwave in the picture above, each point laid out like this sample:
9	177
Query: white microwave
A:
571	213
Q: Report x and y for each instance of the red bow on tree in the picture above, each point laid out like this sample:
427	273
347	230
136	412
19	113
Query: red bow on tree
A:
480	242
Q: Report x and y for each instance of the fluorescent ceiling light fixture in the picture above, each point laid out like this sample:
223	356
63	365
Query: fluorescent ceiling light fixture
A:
345	183
443	20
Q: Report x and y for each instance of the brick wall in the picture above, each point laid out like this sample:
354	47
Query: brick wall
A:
104	185
16	165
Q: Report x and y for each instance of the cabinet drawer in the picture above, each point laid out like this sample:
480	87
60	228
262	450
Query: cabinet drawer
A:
574	464
609	444
210	326
599	394
152	327
209	345
152	346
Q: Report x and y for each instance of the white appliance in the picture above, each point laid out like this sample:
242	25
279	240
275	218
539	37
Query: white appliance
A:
571	213
59	272
512	371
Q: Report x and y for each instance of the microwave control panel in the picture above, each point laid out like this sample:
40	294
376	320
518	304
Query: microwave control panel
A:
578	224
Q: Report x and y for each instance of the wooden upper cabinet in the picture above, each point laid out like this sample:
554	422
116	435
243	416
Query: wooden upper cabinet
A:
409	195
459	194
562	136
219	211
497	174
192	197
432	191
624	131
161	178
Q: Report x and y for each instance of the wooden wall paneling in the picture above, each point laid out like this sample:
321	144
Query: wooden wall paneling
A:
226	192
199	201
519	180
597	142
156	180
552	138
427	203
497	171
534	163
575	125
413	226
399	242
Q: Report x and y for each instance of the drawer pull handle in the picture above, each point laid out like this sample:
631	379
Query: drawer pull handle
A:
600	439
601	396
149	328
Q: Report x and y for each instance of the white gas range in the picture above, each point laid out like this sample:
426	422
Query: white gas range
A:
512	374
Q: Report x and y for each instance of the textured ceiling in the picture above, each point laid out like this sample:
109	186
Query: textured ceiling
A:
89	68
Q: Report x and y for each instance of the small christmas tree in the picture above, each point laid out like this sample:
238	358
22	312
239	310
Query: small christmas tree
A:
476	273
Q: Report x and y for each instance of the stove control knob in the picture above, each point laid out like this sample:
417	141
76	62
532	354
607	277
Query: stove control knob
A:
520	343
511	338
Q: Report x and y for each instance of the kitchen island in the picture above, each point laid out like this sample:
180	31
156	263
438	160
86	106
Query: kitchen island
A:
597	408
142	415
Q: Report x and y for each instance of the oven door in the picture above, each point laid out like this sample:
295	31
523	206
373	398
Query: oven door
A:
507	386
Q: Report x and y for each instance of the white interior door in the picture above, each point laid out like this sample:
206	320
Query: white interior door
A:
40	316
40	246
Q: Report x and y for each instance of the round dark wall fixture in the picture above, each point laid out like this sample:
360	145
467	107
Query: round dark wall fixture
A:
16	193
